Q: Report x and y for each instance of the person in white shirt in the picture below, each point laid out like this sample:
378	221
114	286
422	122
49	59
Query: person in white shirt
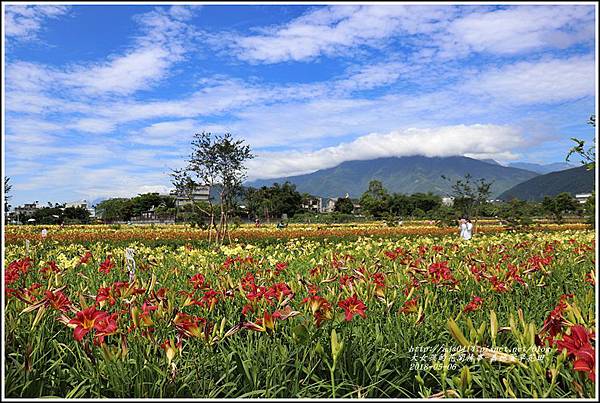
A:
466	228
44	233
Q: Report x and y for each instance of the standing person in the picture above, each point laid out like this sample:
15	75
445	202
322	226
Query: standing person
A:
44	233
466	229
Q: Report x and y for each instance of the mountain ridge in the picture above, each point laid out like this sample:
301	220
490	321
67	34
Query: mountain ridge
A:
573	181
408	175
542	168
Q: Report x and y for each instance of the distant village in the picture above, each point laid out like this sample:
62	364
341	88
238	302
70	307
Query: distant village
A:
154	214
315	204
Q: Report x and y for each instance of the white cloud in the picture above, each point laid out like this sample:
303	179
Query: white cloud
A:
479	141
91	125
167	133
163	42
519	29
451	31
545	81
335	29
32	131
373	76
123	75
23	22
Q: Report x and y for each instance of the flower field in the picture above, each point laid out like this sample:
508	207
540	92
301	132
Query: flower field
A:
245	232
322	315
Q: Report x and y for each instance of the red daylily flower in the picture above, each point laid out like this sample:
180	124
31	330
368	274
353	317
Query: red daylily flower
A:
198	280
580	349
210	298
105	294
474	305
187	325
391	255
315	302
279	267
409	306
247	308
589	278
441	272
57	300
320	308
353	306
379	279
476	273
85	258
498	286
285	313
554	322
247	282
147	308
50	267
537	263
85	321
315	271
257	293
279	291
15	269
313	289
105	326
106	265
346	281
264	324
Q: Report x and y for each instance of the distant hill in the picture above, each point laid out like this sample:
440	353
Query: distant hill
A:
573	181
401	174
491	161
542	168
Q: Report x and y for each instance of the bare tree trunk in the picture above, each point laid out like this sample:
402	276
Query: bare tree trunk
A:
210	226
227	226
214	224
221	224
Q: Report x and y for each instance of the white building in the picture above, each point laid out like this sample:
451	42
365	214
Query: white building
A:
20	212
328	206
582	197
448	201
83	204
200	193
75	204
313	204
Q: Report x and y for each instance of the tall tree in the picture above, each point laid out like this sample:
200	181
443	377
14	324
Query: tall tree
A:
118	209
470	195
515	214
344	205
217	160
376	199
557	206
276	200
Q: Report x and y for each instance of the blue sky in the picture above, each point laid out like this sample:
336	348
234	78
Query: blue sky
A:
103	100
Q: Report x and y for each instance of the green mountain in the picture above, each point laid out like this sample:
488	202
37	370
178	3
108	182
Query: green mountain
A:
574	180
541	169
401	174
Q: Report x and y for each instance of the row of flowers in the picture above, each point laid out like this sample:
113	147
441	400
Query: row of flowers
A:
94	233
